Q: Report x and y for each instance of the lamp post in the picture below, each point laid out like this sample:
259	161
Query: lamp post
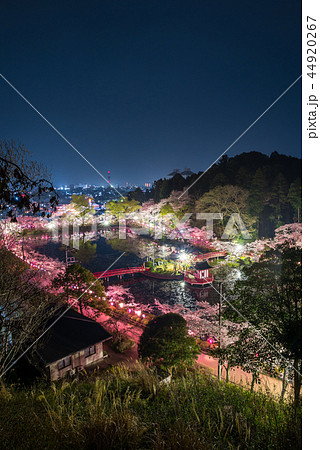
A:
220	278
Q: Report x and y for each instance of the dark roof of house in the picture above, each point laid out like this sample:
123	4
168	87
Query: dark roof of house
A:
71	333
203	265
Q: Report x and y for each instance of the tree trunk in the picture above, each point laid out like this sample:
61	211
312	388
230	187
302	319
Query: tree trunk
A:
253	382
258	227
297	383
227	373
284	383
219	370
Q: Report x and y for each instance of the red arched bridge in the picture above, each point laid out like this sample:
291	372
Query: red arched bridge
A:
139	269
205	256
120	272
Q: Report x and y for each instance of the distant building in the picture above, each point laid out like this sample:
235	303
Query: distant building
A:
174	172
186	173
73	343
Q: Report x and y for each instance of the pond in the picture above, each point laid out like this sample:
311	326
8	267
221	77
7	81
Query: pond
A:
145	290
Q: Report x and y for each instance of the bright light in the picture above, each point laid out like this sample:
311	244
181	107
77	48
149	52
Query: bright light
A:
210	340
239	248
238	274
183	257
121	305
138	313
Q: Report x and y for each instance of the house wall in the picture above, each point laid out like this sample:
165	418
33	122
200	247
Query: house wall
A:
77	359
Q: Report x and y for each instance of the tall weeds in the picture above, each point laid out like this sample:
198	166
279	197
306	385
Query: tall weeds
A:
123	409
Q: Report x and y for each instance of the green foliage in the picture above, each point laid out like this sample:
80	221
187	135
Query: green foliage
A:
123	344
123	245
253	172
165	189
83	211
137	195
278	200
81	284
126	409
149	264
123	206
166	343
79	201
166	209
23	307
269	297
295	197
257	193
226	200
86	252
270	294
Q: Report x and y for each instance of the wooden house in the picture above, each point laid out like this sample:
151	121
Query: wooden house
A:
72	344
199	275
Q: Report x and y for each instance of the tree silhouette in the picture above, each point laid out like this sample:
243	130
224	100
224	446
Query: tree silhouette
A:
295	197
22	186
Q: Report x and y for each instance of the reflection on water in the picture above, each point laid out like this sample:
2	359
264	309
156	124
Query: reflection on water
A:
145	290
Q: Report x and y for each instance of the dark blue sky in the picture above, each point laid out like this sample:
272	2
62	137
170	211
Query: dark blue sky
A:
144	86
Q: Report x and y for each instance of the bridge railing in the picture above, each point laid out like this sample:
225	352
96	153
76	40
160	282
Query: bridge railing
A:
115	272
209	255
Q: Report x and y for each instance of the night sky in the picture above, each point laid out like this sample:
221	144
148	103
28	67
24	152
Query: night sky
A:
142	87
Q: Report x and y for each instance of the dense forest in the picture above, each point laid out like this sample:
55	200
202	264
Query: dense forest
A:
267	187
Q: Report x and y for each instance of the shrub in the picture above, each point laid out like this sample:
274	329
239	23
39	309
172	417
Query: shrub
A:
165	340
122	344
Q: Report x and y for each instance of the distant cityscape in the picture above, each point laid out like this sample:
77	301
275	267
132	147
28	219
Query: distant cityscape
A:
102	194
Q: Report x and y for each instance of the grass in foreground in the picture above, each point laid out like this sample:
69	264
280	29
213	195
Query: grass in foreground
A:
121	409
